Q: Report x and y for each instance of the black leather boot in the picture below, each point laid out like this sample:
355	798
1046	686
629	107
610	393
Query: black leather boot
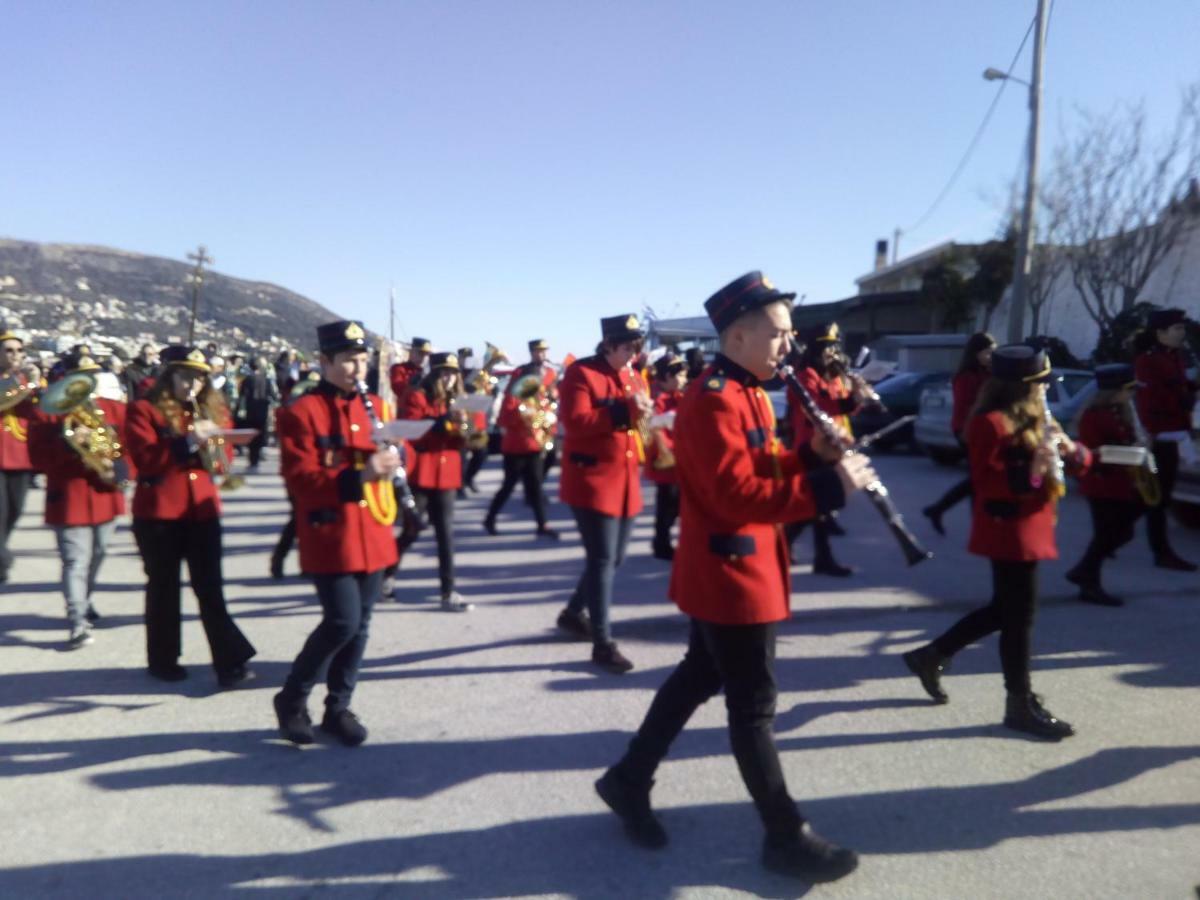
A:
927	664
631	803
809	856
1024	712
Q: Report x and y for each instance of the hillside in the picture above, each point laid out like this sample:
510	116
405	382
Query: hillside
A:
59	293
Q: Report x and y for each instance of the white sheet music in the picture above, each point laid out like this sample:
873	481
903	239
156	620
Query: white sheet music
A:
404	429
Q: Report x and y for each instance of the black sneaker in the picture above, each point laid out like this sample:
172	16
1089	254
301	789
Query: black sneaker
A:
609	658
1098	596
1025	713
809	856
453	602
344	725
80	636
831	567
489	525
664	553
173	672
231	678
92	614
632	806
1172	560
294	723
934	515
577	625
927	664
548	533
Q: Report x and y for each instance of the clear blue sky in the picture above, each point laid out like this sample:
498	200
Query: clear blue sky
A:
519	169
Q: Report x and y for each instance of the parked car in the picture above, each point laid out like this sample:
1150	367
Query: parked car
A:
901	396
1067	392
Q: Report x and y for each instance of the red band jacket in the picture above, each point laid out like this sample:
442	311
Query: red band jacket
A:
172	483
1012	519
75	494
1165	396
403	376
663	438
438	465
14	435
965	387
737	486
602	452
1101	425
325	437
832	397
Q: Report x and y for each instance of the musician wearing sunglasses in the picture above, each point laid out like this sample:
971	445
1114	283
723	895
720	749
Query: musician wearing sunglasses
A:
173	441
340	479
730	575
78	440
19	381
605	404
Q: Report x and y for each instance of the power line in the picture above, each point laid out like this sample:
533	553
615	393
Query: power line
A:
966	158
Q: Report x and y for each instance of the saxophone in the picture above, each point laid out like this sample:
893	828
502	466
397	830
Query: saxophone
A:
383	512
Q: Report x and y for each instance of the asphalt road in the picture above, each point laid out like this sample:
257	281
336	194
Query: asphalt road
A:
487	732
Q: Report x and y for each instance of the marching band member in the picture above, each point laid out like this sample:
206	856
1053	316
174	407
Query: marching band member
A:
1164	404
474	381
524	446
82	502
973	370
16	470
820	374
670	378
603	403
438	473
176	514
1110	490
408	373
287	536
730	575
340	480
1015	480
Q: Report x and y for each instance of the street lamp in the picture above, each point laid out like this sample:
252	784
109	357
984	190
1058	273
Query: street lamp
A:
990	74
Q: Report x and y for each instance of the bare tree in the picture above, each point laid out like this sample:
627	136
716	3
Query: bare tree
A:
1050	257
1123	202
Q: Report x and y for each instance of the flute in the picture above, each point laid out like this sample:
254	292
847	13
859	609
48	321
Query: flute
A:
876	492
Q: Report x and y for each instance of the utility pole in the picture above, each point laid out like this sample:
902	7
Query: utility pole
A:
896	245
200	257
392	313
1019	295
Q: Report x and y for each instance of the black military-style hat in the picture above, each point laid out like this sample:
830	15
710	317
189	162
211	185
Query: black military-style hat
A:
77	361
621	328
538	344
181	356
1161	319
1020	363
669	364
443	361
750	292
825	333
421	345
465	353
346	334
1115	376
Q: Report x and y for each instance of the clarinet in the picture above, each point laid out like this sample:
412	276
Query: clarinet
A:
404	494
876	492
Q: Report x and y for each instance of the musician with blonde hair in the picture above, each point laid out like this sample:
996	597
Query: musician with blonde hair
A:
172	441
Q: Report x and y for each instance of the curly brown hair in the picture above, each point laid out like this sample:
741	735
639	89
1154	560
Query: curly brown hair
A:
1022	404
210	402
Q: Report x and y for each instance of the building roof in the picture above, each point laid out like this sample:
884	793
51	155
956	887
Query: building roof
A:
908	262
686	329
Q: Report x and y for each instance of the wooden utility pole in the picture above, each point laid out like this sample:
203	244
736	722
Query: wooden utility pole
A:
200	257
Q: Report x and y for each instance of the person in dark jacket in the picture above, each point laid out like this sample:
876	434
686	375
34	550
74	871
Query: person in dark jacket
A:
257	394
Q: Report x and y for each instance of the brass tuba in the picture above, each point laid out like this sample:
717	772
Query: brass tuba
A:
536	408
484	381
84	427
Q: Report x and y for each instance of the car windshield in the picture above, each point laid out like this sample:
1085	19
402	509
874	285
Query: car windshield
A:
898	382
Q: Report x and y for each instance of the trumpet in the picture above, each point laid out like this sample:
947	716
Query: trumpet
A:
1056	475
212	457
